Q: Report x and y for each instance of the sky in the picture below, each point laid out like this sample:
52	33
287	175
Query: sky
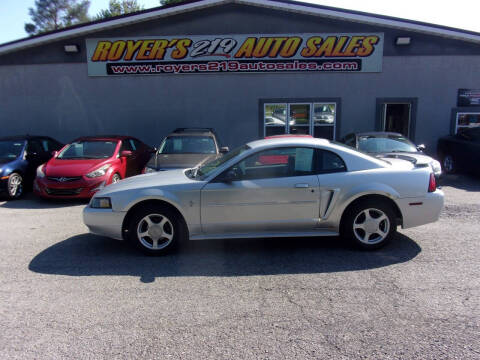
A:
461	14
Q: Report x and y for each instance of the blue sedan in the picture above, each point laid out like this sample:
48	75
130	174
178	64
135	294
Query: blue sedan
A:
19	158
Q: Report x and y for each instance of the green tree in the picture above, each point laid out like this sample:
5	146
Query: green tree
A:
119	7
169	2
50	15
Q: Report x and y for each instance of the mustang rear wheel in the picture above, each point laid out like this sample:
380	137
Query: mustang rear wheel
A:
15	186
370	224
156	230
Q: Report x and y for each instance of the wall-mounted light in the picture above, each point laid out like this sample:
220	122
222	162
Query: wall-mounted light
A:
71	48
403	40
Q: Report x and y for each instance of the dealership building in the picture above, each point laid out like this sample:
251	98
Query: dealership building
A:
248	69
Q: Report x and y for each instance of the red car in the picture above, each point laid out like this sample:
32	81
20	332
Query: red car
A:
88	164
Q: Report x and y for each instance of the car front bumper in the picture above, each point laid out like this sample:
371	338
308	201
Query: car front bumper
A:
4	184
83	188
421	210
104	222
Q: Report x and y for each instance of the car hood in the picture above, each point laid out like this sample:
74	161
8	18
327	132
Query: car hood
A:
167	178
6	161
179	161
71	168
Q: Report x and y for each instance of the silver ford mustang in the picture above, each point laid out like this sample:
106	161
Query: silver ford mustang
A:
281	187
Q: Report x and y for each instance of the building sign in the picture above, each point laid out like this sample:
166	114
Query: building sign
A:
468	97
235	54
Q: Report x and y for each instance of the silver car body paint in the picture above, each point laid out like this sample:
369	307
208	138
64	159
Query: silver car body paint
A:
273	207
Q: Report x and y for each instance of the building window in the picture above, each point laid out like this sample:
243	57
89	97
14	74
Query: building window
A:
314	118
467	120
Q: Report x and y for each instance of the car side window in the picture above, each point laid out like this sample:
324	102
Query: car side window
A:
126	146
329	162
137	144
49	145
275	163
132	144
34	146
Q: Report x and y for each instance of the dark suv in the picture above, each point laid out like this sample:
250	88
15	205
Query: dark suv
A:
186	148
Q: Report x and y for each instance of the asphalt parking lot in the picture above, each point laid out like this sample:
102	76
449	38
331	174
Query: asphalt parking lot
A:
67	294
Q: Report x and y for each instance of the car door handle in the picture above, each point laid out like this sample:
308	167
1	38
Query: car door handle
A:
302	185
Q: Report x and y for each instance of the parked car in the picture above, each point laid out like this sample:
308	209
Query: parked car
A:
460	152
391	145
19	158
323	114
186	148
316	188
88	164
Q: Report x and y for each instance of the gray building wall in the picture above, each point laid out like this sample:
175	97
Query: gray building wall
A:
62	101
45	91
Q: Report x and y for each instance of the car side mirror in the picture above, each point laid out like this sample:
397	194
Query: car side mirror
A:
421	147
224	149
125	153
54	153
153	150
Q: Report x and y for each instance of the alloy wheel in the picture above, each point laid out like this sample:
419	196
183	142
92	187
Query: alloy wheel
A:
116	178
155	231
371	226
448	163
15	185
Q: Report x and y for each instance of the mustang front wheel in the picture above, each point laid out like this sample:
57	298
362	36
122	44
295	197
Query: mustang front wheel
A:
155	230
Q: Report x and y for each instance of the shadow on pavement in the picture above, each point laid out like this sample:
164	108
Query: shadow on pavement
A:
460	181
87	255
31	201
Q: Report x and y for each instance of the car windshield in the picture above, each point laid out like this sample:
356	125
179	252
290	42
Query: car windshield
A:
92	149
209	167
10	149
373	144
188	145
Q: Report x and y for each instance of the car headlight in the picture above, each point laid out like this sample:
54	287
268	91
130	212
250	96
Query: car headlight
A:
101	203
148	170
98	172
40	171
437	168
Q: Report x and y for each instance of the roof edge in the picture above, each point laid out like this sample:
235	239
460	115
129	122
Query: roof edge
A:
286	5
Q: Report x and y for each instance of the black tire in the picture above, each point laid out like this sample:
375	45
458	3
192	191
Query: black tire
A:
15	186
116	178
173	226
448	164
382	217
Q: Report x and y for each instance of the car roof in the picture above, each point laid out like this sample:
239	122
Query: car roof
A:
287	136
192	132
103	137
23	137
291	140
174	134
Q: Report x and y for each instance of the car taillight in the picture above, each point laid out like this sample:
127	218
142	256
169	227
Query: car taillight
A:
432	184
